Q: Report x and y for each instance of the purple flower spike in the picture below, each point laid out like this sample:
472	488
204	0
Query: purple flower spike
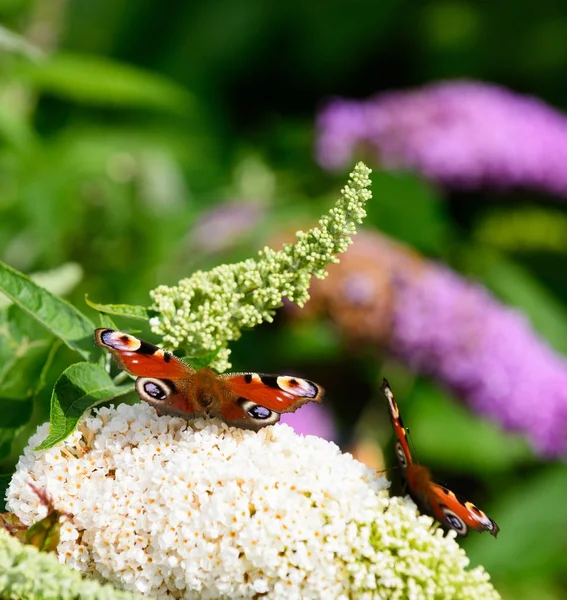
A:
455	331
341	127
463	134
312	419
487	353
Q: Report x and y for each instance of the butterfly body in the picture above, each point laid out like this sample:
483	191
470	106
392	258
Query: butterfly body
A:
432	498
173	387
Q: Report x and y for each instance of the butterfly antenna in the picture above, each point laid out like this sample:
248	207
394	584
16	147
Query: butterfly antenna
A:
412	446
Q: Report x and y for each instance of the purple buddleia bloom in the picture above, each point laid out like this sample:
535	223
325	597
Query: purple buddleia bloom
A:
485	352
312	419
445	326
341	128
462	134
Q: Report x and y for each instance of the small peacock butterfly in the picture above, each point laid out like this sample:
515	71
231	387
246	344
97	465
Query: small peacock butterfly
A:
173	387
432	498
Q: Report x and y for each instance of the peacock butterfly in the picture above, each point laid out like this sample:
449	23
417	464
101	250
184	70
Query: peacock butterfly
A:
430	497
245	400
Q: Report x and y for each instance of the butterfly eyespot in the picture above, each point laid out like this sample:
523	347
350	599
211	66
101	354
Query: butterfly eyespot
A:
294	385
258	412
119	341
402	458
152	390
455	522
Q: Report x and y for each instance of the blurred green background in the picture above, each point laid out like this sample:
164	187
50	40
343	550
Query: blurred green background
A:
122	123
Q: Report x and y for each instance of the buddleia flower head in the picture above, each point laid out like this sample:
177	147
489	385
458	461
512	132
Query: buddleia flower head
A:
453	329
203	510
462	134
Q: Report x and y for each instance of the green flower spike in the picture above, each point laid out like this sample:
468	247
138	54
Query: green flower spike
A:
206	311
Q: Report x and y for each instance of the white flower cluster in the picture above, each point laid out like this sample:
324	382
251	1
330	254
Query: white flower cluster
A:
172	509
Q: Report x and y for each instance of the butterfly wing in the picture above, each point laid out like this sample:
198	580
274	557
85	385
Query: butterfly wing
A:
246	400
458	514
430	497
141	358
403	453
164	381
254	400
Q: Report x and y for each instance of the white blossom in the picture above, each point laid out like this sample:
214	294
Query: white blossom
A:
172	509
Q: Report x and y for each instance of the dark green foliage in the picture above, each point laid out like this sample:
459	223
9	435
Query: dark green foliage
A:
80	387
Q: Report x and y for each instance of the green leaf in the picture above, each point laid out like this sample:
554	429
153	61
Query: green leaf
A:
24	363
22	374
41	380
19	334
121	310
80	387
59	281
56	315
99	81
106	321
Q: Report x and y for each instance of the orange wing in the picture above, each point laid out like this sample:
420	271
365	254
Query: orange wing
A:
430	497
141	358
458	514
281	393
247	400
164	381
254	400
403	453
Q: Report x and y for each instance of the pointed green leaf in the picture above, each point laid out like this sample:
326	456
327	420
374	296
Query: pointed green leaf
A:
106	321
101	81
80	387
40	383
121	310
56	315
59	281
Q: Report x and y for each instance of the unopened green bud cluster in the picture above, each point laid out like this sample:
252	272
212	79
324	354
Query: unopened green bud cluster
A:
206	311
